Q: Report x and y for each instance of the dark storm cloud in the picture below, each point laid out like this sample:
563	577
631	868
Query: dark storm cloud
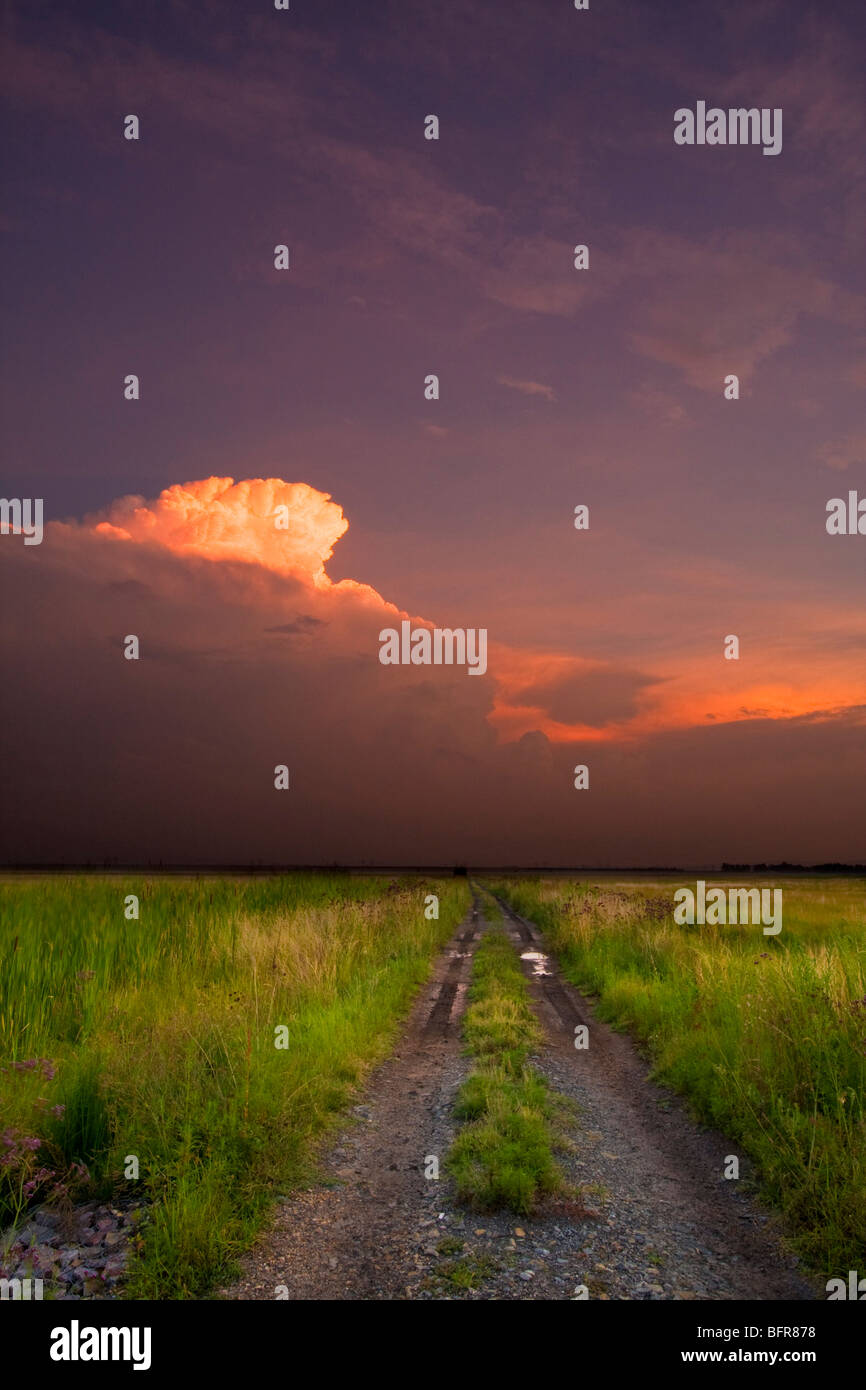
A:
587	697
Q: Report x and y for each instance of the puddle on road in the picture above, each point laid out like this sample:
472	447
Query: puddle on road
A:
540	963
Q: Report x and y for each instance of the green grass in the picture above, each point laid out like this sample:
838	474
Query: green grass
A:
766	1035
503	1156
156	1036
467	1273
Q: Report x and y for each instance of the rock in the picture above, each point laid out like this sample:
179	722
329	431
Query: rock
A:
29	1234
527	1274
44	1217
43	1257
113	1238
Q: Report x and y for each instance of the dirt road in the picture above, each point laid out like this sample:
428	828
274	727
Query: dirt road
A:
656	1220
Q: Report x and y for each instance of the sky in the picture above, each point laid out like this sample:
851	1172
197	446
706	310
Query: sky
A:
558	387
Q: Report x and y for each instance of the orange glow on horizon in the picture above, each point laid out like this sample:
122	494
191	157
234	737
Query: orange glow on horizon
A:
292	528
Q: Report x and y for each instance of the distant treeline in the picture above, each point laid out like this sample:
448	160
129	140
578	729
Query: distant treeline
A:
458	870
796	868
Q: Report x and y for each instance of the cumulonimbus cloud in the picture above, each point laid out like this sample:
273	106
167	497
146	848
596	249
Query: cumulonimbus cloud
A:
290	527
251	657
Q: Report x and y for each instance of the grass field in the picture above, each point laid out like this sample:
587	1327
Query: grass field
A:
159	1038
765	1035
503	1156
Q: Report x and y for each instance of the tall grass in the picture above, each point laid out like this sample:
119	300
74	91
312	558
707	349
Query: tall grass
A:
156	1039
766	1035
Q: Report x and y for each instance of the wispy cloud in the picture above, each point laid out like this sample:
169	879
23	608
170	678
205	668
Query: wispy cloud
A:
528	388
842	453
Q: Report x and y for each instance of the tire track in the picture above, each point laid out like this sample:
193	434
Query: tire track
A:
654	1218
661	1175
365	1231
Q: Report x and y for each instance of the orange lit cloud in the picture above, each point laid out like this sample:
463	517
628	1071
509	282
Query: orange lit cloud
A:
225	520
566	698
251	657
574	700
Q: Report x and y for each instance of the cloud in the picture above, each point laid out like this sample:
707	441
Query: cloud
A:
658	404
580	696
528	388
304	623
171	758
726	306
400	211
285	526
841	453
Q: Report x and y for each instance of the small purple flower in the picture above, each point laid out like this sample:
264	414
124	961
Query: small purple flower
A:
58	1111
31	1142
